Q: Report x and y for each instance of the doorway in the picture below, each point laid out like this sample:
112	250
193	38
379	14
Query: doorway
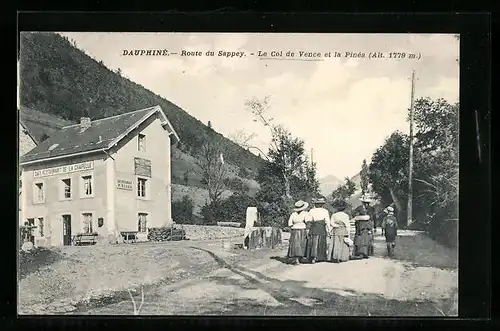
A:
30	236
66	230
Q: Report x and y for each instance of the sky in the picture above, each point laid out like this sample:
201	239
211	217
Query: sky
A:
343	108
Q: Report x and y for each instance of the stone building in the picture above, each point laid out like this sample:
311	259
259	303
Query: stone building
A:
103	176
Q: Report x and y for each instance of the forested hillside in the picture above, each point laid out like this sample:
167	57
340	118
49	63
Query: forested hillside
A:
59	79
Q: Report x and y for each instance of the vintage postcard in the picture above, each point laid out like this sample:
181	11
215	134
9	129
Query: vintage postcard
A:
257	174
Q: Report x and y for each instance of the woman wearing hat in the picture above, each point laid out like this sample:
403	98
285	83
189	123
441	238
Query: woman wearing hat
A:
297	224
319	227
363	239
341	228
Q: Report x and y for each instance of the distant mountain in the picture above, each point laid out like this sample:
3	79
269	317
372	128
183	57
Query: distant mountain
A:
328	184
357	180
355	198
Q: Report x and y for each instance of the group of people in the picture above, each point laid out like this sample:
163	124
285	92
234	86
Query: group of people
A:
316	236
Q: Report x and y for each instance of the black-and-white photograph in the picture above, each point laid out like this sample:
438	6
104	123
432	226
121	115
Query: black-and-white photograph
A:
258	174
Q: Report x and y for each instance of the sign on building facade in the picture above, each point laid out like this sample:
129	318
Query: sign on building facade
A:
142	167
124	184
83	166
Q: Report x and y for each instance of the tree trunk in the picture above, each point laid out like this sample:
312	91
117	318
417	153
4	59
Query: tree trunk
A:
287	186
397	203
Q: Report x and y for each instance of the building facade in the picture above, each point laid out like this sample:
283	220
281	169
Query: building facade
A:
26	143
104	176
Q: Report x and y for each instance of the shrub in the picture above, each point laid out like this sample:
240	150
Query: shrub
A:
182	211
233	209
166	234
245	173
444	231
274	214
236	185
209	214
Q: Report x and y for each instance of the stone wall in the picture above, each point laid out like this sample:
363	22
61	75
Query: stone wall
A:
264	237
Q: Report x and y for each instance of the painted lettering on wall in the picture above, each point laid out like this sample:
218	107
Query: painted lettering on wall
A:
142	167
63	169
124	184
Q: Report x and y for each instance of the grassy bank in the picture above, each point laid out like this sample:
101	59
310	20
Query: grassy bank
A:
422	251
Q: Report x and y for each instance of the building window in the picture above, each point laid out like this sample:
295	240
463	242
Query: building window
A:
141	187
66	188
87	186
141	142
39	195
87	223
142	224
40	226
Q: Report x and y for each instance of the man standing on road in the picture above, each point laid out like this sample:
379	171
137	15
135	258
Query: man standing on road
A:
390	228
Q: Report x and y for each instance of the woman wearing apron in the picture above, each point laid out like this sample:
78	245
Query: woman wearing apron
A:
340	233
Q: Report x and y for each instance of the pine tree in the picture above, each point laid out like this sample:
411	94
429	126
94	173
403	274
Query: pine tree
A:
364	177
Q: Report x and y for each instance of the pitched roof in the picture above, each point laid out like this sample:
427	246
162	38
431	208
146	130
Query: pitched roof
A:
101	135
28	132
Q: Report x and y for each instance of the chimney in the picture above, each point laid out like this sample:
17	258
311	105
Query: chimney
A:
84	123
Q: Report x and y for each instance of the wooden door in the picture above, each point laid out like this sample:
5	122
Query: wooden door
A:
66	230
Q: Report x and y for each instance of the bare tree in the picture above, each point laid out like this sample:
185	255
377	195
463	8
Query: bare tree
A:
243	139
137	311
280	140
213	170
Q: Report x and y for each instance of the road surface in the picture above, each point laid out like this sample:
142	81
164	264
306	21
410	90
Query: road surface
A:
265	285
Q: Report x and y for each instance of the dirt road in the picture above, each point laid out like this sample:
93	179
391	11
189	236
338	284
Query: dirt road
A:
421	280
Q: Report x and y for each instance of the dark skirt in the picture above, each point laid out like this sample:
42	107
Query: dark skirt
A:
390	238
316	247
390	234
341	250
297	243
362	243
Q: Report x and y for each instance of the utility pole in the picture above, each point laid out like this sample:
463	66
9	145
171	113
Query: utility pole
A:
410	174
312	157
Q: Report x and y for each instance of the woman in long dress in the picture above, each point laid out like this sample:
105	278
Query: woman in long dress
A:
297	224
363	239
319	227
341	229
365	219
